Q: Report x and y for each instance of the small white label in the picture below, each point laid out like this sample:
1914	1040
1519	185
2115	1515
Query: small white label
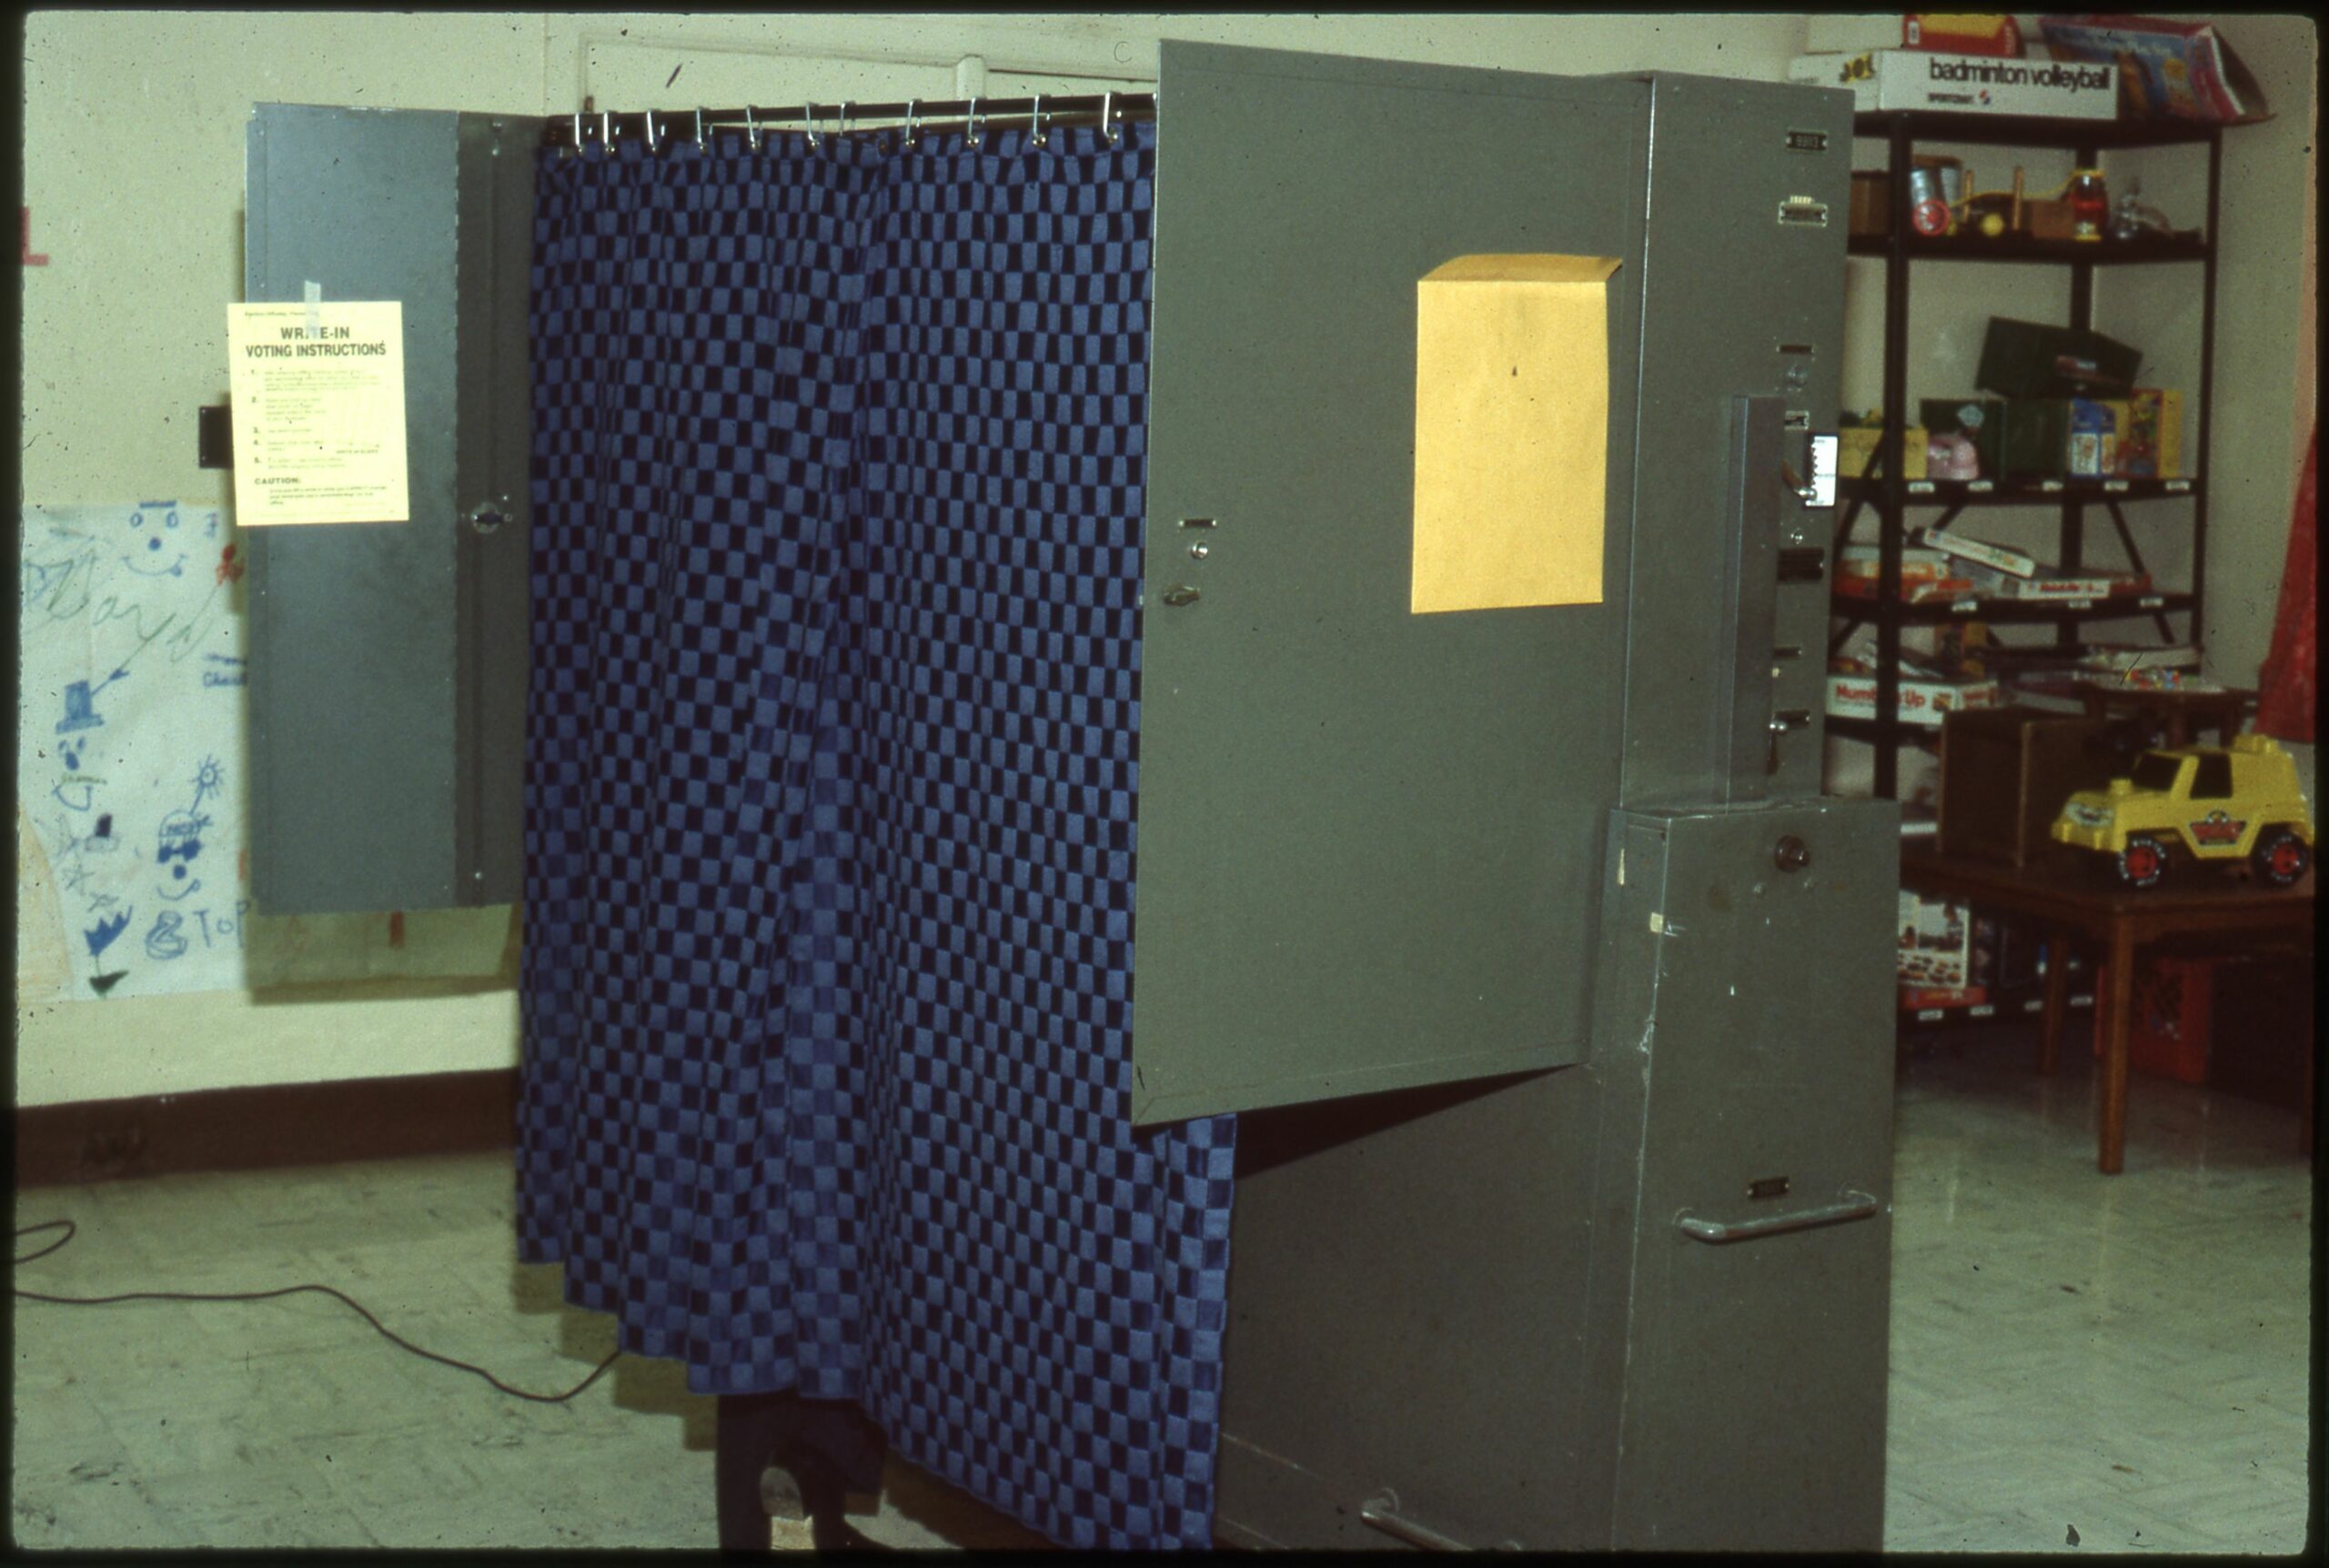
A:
2115	486
2049	486
1983	1010
1965	605
1920	487
1823	471
2178	486
2078	604
1928	1014
2152	601
1980	486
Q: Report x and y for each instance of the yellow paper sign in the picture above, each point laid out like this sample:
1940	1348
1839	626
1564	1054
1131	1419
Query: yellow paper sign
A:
1512	412
318	412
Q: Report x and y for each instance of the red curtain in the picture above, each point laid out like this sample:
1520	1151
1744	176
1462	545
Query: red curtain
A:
2285	685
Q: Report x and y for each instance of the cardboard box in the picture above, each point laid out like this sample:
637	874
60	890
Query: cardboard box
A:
2151	445
2041	360
2005	773
1856	451
1936	942
2094	440
1961	34
1924	702
2167	1026
1982	552
1964	84
2035	438
2167	70
2050	584
1924	575
1871	211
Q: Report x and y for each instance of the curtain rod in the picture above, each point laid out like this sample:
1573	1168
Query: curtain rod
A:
658	125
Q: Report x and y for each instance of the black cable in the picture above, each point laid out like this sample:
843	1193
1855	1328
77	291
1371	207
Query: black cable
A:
71	1230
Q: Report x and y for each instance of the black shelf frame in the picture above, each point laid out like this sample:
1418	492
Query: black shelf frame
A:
1892	498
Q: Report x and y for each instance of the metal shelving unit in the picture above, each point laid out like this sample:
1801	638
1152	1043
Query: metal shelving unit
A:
1893	498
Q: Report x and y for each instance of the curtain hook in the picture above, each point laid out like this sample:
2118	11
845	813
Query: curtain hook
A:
971	124
605	128
809	123
1038	137
699	128
650	130
1107	120
577	130
841	121
751	130
910	104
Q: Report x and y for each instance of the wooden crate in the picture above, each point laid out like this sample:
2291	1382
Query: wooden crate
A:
2005	773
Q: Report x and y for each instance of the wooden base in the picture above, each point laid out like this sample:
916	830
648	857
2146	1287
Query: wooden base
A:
267	1126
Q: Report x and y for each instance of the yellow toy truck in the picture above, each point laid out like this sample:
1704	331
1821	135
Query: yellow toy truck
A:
2199	802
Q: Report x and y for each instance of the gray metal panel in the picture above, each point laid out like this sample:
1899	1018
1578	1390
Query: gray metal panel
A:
353	627
1726	289
1476	1298
1754	1414
495	398
1368	840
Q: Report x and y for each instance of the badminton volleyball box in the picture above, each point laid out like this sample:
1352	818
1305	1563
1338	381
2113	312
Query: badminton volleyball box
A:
1965	83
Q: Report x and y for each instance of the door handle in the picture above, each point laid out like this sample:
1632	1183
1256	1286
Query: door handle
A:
1853	1205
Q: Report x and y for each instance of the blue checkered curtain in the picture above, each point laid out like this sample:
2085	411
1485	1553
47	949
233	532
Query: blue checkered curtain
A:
831	774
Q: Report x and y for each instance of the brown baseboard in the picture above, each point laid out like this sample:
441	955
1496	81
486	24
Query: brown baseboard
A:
267	1126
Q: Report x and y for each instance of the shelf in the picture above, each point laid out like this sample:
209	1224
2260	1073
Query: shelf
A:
2022	248
2010	611
2017	492
2032	130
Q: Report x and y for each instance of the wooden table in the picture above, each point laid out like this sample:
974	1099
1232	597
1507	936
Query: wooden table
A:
2071	893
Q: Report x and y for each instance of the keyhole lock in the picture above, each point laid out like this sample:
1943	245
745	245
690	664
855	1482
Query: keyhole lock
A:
488	515
1791	854
1199	551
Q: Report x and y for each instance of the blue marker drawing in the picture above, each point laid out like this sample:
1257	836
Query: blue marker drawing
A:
88	787
209	778
223	670
80	704
163	942
183	895
174	570
100	936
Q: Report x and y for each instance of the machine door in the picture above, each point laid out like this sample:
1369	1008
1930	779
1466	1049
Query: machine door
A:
388	659
1369	840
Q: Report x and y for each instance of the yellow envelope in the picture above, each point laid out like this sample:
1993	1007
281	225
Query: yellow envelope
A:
1512	413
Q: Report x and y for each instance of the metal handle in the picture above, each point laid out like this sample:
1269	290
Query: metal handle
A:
1383	1513
1181	594
1855	1205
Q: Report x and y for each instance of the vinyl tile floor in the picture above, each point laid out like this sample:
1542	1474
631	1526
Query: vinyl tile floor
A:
2079	1363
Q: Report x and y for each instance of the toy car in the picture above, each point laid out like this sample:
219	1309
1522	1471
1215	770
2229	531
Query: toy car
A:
2228	803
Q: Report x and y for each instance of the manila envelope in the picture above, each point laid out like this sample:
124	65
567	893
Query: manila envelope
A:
1512	411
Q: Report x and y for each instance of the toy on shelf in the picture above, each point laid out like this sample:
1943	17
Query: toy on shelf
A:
2205	803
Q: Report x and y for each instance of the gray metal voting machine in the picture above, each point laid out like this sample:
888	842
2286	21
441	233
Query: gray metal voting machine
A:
1556	996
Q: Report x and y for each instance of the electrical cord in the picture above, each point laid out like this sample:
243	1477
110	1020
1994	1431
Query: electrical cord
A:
71	1230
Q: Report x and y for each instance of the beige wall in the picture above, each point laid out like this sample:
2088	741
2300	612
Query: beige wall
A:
133	149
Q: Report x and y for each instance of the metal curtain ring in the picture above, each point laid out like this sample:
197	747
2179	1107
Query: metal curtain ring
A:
910	104
751	130
699	127
809	123
1107	116
607	127
577	130
970	125
650	130
841	121
1038	137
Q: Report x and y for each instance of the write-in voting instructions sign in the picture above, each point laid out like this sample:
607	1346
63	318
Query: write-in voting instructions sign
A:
318	398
